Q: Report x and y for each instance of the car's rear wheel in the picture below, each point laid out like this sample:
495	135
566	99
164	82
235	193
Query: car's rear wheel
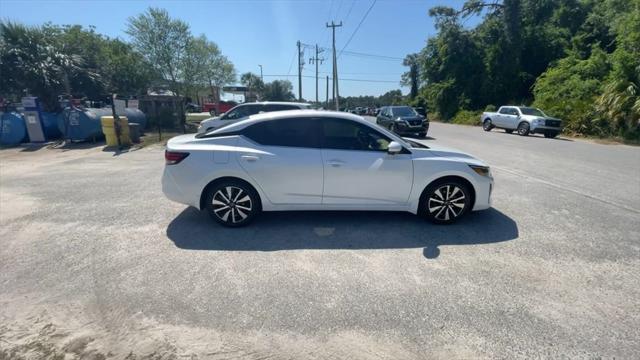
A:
446	201
508	131
523	128
550	134
487	125
232	203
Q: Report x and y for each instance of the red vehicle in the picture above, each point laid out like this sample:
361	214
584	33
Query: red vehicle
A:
219	107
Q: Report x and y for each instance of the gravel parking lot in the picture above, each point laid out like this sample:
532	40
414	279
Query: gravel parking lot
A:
95	263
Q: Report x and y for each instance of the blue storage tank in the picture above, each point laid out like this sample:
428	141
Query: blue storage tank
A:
80	124
84	123
50	125
136	116
13	130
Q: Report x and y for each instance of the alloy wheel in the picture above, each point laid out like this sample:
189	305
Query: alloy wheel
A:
231	204
446	202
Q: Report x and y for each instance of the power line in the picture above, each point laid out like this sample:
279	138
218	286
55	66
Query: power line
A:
358	27
291	64
371	56
367	55
349	12
361	73
339	7
341	79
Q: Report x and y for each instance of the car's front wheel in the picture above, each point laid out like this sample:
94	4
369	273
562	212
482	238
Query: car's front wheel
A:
232	203
523	128
446	201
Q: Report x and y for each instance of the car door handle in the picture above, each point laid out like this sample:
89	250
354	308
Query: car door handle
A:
335	162
250	158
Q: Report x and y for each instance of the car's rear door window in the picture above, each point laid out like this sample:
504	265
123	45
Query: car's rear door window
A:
292	132
279	107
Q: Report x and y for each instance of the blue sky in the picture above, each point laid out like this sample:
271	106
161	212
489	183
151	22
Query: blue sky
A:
265	32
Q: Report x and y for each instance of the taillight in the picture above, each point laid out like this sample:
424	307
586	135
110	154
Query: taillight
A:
174	157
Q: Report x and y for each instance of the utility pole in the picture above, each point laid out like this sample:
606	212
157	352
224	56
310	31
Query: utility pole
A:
261	78
299	73
317	60
336	92
327	106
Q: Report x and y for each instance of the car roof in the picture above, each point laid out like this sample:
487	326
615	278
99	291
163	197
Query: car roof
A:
274	115
276	103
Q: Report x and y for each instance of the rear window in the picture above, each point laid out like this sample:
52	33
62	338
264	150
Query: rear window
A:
279	107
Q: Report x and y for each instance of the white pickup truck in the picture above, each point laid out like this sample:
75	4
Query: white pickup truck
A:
524	120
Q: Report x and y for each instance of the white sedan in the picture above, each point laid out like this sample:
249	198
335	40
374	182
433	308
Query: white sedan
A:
319	160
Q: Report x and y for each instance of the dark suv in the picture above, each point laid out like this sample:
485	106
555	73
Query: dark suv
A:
403	120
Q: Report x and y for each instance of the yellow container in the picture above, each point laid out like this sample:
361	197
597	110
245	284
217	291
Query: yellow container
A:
109	130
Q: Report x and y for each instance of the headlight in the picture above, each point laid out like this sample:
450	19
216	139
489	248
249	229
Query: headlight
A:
481	170
539	121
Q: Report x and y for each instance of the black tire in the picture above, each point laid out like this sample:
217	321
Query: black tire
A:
509	131
232	203
550	134
455	197
487	125
422	135
523	128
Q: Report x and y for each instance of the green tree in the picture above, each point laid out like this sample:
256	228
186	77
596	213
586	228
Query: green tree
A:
32	63
253	83
278	90
411	78
569	89
164	43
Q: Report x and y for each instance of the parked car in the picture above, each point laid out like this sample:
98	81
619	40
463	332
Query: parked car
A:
403	120
243	111
319	160
420	110
215	108
192	108
524	119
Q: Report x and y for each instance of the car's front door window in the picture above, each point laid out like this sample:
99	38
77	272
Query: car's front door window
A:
242	112
341	134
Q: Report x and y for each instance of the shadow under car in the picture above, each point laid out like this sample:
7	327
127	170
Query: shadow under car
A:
273	231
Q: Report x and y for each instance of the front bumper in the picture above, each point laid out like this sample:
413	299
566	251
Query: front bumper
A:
402	128
539	129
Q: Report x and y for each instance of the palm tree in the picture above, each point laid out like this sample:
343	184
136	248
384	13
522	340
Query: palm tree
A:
410	78
31	62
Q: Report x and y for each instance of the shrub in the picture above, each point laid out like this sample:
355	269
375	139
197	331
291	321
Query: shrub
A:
466	117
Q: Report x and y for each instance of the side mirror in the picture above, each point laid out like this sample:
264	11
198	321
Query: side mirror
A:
394	148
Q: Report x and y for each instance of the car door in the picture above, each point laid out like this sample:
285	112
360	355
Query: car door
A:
284	158
382	117
358	170
511	121
501	118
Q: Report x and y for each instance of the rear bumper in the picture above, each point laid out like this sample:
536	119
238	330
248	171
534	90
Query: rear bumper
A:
171	189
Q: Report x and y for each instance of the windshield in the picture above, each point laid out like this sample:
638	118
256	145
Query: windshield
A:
532	111
403	111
